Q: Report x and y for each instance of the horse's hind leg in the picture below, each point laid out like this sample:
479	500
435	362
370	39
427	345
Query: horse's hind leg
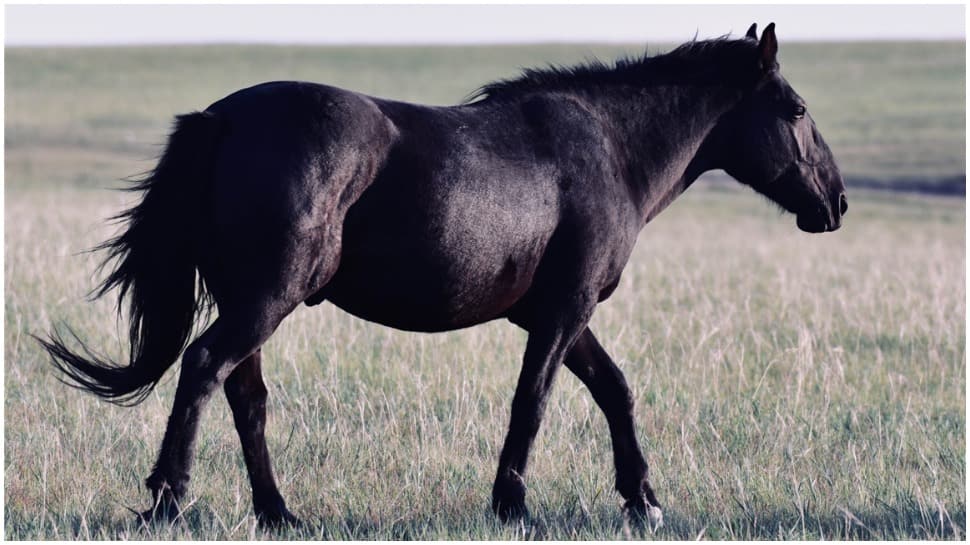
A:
170	475
247	398
588	361
206	364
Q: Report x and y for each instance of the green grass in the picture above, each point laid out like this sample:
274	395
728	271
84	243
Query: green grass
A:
787	385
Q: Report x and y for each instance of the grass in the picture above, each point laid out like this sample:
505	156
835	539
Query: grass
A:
891	111
787	385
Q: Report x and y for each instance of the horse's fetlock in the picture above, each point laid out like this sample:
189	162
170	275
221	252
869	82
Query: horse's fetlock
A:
271	510
156	481
163	485
630	489
508	496
634	483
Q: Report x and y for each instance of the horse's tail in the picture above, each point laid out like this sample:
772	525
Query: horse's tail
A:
154	269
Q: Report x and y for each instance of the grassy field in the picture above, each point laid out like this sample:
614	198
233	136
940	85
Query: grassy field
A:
787	385
891	111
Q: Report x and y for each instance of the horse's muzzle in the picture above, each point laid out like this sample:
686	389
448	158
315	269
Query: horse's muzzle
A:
813	223
823	217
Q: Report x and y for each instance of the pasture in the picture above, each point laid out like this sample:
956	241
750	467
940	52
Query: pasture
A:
788	385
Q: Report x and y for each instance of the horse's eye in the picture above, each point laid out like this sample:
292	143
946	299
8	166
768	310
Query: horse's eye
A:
798	112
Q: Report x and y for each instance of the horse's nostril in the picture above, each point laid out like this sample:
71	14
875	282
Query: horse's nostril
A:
843	204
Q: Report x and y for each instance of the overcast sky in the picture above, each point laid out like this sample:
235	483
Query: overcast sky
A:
398	24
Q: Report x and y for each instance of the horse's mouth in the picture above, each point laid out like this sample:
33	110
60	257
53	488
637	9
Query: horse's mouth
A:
817	222
811	224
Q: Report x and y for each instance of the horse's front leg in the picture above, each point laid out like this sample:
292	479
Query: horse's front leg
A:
548	343
588	361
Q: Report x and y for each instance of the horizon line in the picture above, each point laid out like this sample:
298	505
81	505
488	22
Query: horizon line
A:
449	43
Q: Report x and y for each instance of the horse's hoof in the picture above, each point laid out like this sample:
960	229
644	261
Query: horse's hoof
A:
639	511
156	515
271	513
510	511
278	520
510	506
508	499
655	517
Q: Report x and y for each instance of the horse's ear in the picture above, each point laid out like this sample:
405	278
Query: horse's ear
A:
768	49
752	33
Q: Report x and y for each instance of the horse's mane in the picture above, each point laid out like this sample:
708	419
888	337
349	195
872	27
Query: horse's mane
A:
720	60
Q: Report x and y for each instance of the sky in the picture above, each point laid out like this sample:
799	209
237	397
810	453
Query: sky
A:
442	24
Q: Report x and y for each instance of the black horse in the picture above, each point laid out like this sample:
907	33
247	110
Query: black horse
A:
523	204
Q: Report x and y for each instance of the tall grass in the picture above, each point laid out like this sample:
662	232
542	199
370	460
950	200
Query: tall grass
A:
787	386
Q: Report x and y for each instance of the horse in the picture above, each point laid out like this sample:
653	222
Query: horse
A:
523	202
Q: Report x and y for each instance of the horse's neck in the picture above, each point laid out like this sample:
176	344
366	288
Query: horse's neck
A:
661	134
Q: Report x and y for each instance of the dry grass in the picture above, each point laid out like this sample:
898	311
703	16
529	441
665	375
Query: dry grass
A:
788	386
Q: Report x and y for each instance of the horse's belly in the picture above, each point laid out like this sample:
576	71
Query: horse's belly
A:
424	295
446	270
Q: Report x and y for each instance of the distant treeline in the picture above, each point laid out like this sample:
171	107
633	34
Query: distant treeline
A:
948	185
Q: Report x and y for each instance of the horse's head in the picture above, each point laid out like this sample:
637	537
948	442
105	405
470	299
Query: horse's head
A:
772	144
